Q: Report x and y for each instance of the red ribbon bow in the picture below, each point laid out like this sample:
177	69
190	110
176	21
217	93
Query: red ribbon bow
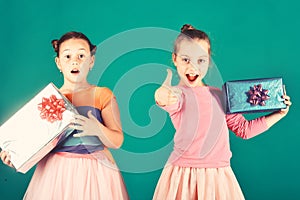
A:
52	108
257	95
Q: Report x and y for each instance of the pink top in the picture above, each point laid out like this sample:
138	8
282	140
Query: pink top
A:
202	137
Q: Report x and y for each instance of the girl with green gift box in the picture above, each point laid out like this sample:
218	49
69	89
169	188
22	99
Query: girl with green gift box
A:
199	166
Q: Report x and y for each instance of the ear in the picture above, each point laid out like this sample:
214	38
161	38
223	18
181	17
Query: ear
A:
57	61
92	62
174	59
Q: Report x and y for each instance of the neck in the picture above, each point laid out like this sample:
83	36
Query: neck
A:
69	86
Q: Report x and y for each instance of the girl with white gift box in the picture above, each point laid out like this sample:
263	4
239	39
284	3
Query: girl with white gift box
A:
81	166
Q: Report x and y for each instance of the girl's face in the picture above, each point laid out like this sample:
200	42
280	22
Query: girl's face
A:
192	61
75	60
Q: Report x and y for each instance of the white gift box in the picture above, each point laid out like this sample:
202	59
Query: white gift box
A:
35	129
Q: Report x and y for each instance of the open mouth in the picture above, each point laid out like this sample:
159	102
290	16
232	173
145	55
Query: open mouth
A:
75	71
192	77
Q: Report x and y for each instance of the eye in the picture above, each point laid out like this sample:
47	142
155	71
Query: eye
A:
201	61
67	56
81	56
186	60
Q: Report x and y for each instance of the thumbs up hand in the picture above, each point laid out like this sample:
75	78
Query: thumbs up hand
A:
166	94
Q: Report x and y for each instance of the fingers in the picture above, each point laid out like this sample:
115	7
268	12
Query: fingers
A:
177	92
5	157
85	125
80	118
77	124
167	96
287	100
2	155
78	127
78	135
284	91
172	100
286	97
91	116
168	80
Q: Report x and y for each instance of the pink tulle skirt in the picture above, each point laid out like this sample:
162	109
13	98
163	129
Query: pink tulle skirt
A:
197	183
65	176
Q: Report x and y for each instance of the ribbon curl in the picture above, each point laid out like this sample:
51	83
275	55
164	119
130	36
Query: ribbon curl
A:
257	95
51	108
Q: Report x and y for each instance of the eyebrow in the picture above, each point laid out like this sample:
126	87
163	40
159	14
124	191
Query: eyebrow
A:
78	49
198	57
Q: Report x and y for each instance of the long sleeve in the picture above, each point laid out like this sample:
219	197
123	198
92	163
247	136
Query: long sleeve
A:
246	128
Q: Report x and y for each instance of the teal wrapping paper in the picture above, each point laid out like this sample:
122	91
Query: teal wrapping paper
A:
236	94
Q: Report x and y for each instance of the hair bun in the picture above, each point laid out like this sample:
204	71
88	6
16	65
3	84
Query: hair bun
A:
187	27
55	45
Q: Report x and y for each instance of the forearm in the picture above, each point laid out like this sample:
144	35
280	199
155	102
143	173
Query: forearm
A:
110	138
247	129
244	128
273	118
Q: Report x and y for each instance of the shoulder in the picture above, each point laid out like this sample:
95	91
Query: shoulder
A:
104	91
215	91
218	95
103	96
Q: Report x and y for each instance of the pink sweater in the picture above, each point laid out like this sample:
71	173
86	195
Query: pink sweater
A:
202	137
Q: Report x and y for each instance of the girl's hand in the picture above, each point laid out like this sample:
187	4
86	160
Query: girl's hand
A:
274	117
90	126
5	157
166	94
288	103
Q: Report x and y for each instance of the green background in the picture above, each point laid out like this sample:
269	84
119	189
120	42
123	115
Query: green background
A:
253	39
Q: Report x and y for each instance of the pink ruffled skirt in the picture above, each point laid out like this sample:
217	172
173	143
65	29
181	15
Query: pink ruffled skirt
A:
65	176
197	183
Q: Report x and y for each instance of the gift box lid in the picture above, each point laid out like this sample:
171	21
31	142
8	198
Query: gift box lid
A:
254	95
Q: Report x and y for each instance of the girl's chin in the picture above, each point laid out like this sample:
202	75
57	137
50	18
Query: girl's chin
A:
191	84
194	83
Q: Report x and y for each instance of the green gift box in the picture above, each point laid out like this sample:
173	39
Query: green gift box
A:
254	95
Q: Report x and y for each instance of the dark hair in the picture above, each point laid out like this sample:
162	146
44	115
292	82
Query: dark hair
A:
189	32
72	35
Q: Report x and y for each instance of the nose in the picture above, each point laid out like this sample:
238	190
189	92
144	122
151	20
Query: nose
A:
194	66
75	61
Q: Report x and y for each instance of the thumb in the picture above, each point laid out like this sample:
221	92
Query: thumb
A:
91	116
168	80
